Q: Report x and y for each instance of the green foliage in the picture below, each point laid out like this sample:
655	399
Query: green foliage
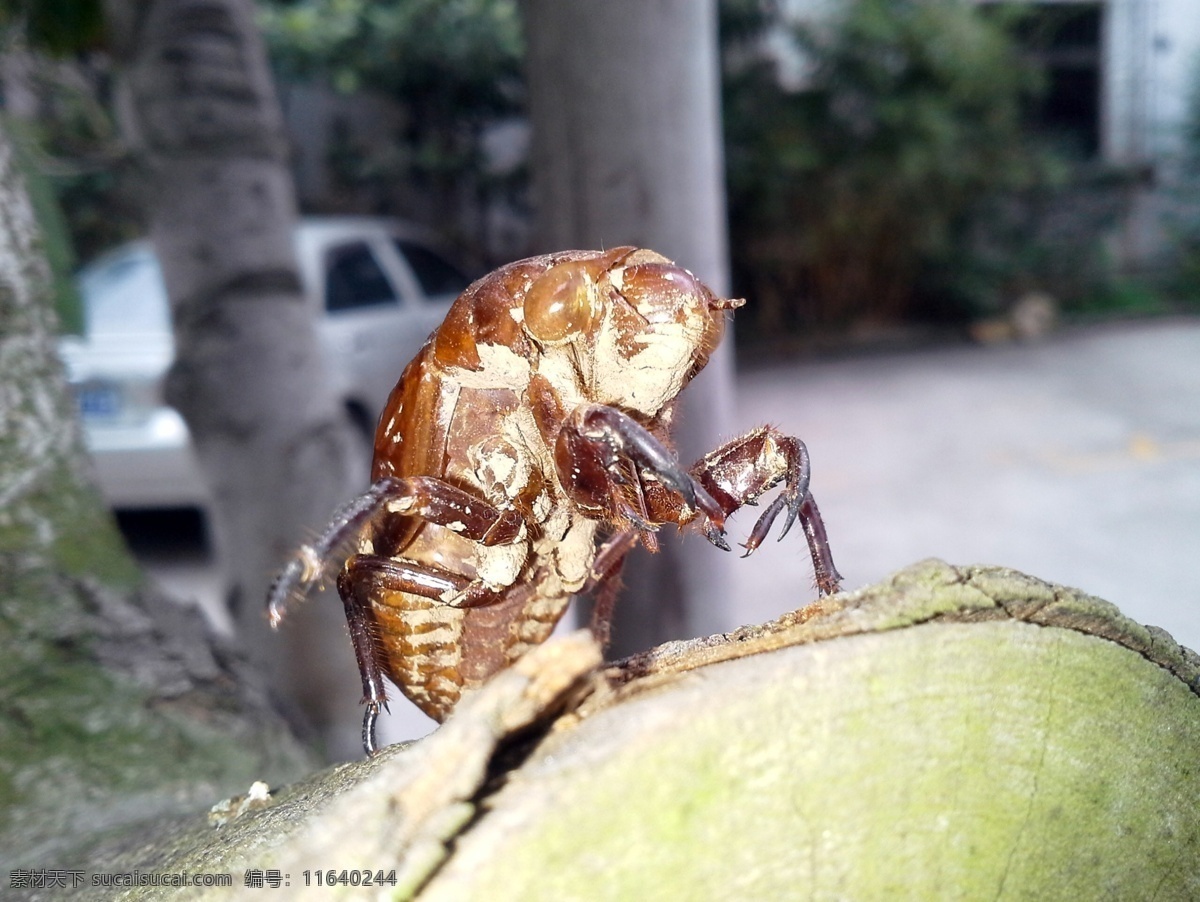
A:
1048	237
76	150
1124	297
453	66
846	190
59	27
462	53
71	146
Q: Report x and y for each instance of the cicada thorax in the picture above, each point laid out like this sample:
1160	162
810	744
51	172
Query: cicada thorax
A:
462	413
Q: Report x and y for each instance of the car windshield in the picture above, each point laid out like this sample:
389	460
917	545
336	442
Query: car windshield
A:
353	278
125	295
437	275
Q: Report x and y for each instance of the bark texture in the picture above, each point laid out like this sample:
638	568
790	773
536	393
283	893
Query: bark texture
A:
278	450
957	733
953	732
625	107
116	706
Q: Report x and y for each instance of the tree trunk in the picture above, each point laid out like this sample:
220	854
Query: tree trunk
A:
966	733
953	732
277	449
624	101
116	706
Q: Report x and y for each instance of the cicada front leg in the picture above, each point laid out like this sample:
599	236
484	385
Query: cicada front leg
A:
741	471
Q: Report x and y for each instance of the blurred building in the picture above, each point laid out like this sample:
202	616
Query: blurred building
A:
1122	79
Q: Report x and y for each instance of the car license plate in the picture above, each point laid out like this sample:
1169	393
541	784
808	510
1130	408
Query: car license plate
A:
99	401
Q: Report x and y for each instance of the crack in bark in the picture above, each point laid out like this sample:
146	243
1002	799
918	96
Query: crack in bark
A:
509	754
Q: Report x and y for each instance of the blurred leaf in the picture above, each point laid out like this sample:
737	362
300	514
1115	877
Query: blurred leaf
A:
452	66
860	178
60	27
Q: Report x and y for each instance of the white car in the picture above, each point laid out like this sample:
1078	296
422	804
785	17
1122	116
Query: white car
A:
380	287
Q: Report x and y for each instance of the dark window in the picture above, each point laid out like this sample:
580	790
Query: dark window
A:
434	273
1065	40
353	278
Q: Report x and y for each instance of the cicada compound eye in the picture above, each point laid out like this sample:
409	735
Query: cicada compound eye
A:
562	303
663	292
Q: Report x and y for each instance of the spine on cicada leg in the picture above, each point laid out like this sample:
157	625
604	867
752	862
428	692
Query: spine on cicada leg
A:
293	582
314	563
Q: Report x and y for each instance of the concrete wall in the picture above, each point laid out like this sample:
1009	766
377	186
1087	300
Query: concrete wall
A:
1152	53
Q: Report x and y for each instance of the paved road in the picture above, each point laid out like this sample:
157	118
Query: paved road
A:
1076	459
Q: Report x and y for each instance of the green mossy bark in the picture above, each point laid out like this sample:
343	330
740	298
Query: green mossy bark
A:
949	733
996	760
116	706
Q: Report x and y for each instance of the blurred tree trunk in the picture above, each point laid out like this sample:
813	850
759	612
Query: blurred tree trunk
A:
200	110
116	706
624	101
